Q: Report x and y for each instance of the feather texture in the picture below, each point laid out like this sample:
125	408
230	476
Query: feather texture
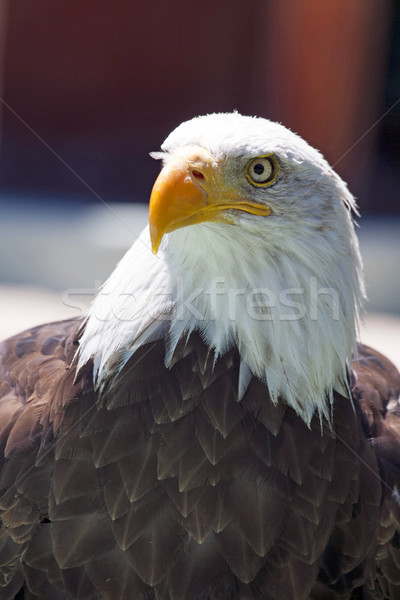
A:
257	505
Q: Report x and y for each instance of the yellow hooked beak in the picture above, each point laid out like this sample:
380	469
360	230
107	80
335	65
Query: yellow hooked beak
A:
190	190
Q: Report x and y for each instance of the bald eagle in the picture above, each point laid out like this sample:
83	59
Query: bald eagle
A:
211	430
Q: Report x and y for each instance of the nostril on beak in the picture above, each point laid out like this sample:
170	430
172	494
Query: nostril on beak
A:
197	174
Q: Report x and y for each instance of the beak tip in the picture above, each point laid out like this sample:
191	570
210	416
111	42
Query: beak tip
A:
155	242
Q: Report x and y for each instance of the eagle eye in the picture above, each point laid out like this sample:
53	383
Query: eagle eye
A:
262	171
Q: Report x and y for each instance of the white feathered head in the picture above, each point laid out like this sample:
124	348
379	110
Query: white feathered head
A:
255	247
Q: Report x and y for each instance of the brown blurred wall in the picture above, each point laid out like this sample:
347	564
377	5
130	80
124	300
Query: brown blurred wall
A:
103	82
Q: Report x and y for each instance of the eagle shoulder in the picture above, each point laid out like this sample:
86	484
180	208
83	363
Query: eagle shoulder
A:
36	381
376	391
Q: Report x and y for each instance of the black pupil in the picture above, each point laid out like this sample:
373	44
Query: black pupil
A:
259	169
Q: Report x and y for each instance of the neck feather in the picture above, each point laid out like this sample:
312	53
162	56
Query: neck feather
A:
292	312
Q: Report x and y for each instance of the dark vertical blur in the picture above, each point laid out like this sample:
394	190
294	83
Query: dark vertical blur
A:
103	83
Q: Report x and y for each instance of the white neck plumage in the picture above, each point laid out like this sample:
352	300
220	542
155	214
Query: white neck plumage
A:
289	303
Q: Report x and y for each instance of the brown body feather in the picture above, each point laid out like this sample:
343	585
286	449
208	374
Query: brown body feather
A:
166	487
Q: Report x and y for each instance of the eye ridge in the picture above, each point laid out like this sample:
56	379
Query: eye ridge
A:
262	170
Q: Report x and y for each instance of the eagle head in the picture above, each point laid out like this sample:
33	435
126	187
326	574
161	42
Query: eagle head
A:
250	242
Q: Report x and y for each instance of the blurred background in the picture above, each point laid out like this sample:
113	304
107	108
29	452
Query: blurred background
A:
88	89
